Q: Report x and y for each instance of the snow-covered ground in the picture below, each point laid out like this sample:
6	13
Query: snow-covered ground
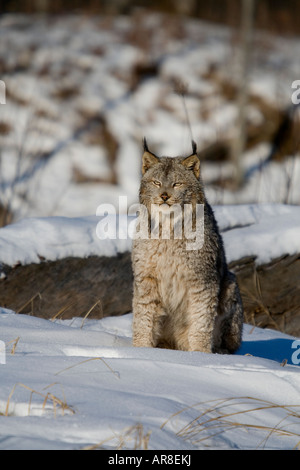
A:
74	384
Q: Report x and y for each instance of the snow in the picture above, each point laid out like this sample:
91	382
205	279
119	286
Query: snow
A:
264	231
113	393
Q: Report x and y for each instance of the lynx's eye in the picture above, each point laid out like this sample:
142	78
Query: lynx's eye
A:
177	185
156	183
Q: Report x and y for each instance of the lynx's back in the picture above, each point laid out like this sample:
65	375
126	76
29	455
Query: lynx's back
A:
183	298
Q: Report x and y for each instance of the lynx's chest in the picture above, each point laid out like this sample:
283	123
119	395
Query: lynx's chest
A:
165	262
173	286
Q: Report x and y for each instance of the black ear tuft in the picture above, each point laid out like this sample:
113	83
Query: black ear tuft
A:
149	159
146	149
194	147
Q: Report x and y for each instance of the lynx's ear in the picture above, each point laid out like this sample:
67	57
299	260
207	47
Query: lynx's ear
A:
192	162
149	159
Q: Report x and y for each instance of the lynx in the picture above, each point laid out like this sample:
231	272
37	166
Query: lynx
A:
183	299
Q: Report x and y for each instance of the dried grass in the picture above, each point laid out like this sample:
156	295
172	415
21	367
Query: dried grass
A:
116	374
61	311
216	418
30	301
219	416
256	298
14	343
56	402
90	310
72	304
134	437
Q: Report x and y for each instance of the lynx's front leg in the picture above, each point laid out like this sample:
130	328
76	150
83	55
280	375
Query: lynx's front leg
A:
147	311
202	312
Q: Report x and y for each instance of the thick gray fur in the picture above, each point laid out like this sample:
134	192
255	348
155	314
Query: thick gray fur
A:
183	299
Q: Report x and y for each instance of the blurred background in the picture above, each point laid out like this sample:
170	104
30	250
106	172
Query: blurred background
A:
83	82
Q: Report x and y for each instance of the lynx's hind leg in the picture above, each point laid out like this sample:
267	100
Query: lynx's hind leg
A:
229	323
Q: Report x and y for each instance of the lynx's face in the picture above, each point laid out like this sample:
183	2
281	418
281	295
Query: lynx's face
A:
170	181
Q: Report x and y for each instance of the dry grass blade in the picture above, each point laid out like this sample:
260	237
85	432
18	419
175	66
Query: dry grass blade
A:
217	400
15	343
98	445
256	299
215	420
90	310
61	311
47	397
134	435
30	301
88	360
277	429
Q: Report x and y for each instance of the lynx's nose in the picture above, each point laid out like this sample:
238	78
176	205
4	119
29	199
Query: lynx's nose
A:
164	196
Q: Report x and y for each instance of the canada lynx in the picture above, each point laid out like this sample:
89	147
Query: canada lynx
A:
183	299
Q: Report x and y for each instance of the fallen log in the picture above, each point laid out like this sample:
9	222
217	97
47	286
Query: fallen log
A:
271	292
69	287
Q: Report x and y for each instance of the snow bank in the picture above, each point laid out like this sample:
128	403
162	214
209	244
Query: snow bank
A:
52	238
264	231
